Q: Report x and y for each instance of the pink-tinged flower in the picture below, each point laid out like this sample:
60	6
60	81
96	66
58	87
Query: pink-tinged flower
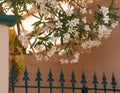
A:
84	20
66	35
106	19
87	27
76	55
104	10
64	61
39	57
115	24
58	24
74	61
69	11
83	10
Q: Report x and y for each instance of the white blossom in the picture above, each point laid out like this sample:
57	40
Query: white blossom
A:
66	35
40	48
69	11
102	28
90	11
74	61
23	40
39	57
52	51
90	44
97	43
23	33
76	21
59	24
70	23
54	39
66	40
83	10
107	33
43	10
45	29
106	19
70	29
104	10
87	27
103	32
64	61
84	19
53	4
94	23
115	24
76	34
40	1
87	44
61	52
76	55
46	58
73	23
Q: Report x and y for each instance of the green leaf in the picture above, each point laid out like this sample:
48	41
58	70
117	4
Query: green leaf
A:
115	8
30	52
35	16
113	16
33	43
98	16
111	5
99	6
62	40
37	23
38	43
43	38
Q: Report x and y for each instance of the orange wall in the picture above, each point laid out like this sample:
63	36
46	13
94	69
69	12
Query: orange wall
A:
105	58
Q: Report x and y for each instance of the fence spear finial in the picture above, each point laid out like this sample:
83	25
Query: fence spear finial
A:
95	82
104	82
113	83
38	78
83	81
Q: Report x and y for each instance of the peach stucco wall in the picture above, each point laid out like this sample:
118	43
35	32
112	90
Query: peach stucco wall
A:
4	59
105	58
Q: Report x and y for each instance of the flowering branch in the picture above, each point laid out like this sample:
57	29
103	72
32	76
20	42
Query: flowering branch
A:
63	25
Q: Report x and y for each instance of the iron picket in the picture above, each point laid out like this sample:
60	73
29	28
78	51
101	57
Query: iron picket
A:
13	79
26	79
83	82
113	83
73	81
50	79
95	82
104	82
62	80
38	79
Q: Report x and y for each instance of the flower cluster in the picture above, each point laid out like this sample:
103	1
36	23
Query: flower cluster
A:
23	40
63	25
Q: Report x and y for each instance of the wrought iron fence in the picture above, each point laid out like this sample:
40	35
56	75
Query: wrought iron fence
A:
62	87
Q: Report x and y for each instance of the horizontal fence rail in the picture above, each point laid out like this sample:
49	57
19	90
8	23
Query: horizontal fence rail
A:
62	87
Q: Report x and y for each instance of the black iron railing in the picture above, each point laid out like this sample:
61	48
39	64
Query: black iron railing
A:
61	86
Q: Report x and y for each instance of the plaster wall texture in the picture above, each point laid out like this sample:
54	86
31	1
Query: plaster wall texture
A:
105	58
4	51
